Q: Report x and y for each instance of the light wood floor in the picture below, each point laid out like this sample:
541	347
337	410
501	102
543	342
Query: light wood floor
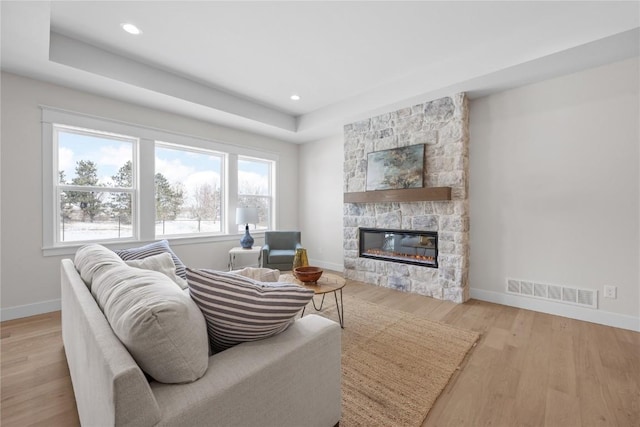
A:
528	369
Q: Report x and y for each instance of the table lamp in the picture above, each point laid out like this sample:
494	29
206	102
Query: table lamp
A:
246	216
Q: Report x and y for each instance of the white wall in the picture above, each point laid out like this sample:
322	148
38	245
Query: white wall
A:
321	201
554	190
30	281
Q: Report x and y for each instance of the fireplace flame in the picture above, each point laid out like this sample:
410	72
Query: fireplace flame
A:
400	255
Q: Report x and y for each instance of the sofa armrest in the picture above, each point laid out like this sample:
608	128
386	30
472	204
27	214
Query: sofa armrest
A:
109	387
291	379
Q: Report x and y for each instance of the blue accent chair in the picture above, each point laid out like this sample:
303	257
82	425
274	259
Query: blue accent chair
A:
279	249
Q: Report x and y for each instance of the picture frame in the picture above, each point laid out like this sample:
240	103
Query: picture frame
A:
396	168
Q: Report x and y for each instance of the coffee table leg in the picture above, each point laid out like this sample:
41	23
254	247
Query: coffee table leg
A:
321	303
339	308
314	304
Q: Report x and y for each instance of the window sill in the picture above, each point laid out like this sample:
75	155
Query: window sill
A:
173	241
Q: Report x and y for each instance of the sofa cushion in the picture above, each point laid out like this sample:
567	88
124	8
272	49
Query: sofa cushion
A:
238	309
259	274
89	259
277	256
151	249
159	324
162	263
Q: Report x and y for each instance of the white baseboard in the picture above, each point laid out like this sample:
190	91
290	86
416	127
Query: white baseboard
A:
327	265
564	310
27	310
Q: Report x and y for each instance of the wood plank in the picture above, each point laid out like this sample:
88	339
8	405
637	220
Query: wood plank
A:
562	409
530	397
400	195
496	338
500	389
463	405
590	379
562	368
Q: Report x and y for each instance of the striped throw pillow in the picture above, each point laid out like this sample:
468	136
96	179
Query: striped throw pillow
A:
239	309
151	249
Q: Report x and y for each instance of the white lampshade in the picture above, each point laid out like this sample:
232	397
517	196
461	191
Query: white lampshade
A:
246	216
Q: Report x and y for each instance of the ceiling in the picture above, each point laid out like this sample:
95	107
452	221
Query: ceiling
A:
237	63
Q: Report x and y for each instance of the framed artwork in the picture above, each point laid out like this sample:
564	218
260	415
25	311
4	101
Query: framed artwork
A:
396	168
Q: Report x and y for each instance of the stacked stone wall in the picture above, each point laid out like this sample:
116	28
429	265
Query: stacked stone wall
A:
443	126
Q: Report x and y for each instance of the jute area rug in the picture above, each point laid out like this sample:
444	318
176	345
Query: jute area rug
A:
394	364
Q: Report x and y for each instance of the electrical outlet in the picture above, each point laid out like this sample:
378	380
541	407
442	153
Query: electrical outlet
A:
610	292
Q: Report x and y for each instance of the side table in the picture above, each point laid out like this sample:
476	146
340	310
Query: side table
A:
239	250
327	283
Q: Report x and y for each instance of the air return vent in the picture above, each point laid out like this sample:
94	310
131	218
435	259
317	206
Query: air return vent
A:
563	294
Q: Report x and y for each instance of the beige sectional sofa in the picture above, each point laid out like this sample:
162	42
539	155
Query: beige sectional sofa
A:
290	379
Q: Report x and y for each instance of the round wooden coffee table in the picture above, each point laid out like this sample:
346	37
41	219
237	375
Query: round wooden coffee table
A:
327	283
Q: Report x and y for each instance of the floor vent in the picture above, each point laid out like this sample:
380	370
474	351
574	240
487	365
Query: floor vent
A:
563	294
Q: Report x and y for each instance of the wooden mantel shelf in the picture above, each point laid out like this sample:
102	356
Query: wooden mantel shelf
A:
402	195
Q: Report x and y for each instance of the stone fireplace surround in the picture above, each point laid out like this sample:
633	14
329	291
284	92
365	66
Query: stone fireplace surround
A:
443	126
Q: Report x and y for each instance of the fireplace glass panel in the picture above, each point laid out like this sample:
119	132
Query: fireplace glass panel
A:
404	246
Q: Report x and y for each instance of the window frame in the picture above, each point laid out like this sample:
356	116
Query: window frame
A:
59	188
271	190
145	156
223	179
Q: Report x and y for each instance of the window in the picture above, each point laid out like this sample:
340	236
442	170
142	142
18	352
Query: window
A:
112	182
95	189
255	189
188	190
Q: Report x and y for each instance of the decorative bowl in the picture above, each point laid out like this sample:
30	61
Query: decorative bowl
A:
307	274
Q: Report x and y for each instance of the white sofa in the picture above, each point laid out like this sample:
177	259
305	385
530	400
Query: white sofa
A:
291	379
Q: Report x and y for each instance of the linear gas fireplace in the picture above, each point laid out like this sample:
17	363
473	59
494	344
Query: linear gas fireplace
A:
404	246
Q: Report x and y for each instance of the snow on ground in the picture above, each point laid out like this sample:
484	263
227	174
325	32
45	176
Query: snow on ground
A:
78	231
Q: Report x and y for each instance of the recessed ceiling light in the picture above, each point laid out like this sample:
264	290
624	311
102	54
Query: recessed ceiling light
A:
131	29
295	97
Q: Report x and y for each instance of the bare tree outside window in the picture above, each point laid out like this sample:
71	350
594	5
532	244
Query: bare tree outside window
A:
188	190
254	189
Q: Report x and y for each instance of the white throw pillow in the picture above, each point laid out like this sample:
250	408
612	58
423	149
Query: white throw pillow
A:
259	274
159	324
151	249
89	259
163	263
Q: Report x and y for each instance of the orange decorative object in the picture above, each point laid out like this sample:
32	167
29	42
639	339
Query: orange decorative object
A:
307	274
